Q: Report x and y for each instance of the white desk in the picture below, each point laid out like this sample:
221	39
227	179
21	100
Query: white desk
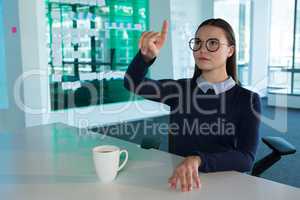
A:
55	162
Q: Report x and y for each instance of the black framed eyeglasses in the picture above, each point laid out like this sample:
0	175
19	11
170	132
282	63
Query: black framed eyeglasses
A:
212	44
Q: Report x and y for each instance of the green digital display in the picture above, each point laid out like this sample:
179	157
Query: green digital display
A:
90	44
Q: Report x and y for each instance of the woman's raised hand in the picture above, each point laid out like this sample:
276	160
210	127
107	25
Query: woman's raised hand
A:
151	42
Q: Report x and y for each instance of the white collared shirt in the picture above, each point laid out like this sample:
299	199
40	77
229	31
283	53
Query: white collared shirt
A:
221	87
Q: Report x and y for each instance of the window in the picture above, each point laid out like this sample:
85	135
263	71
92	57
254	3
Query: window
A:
296	67
3	90
284	63
238	14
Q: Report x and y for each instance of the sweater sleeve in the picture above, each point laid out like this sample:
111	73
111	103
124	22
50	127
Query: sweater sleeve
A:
164	91
247	136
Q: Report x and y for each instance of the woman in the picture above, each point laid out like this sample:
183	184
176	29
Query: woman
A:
214	122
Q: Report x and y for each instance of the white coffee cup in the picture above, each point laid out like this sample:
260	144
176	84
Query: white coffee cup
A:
106	159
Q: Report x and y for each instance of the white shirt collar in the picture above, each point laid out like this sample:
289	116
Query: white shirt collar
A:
221	87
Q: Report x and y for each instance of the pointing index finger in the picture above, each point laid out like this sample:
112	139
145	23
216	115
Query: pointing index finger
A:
164	30
165	27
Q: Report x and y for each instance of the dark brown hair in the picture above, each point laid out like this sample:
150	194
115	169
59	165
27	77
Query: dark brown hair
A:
231	67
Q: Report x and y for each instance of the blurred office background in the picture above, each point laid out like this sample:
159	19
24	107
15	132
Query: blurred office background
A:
64	61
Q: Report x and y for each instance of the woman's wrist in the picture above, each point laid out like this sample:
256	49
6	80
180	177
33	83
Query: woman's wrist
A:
196	159
199	160
146	58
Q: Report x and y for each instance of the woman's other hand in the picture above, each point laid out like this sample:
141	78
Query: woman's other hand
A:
186	173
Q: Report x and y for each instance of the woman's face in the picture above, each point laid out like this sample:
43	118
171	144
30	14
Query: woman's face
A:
207	60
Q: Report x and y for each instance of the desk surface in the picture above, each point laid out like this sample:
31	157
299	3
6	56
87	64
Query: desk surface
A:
55	162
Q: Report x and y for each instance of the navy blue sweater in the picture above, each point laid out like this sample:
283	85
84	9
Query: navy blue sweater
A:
222	129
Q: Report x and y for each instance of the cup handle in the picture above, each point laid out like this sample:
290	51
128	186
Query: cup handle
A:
126	158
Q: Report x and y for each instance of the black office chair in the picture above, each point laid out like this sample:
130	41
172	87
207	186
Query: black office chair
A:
150	142
280	147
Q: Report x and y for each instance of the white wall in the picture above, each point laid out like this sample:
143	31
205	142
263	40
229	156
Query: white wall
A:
259	56
163	66
3	82
34	61
11	118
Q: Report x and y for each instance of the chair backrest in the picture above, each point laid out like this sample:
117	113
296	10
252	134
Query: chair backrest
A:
150	142
171	146
280	147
